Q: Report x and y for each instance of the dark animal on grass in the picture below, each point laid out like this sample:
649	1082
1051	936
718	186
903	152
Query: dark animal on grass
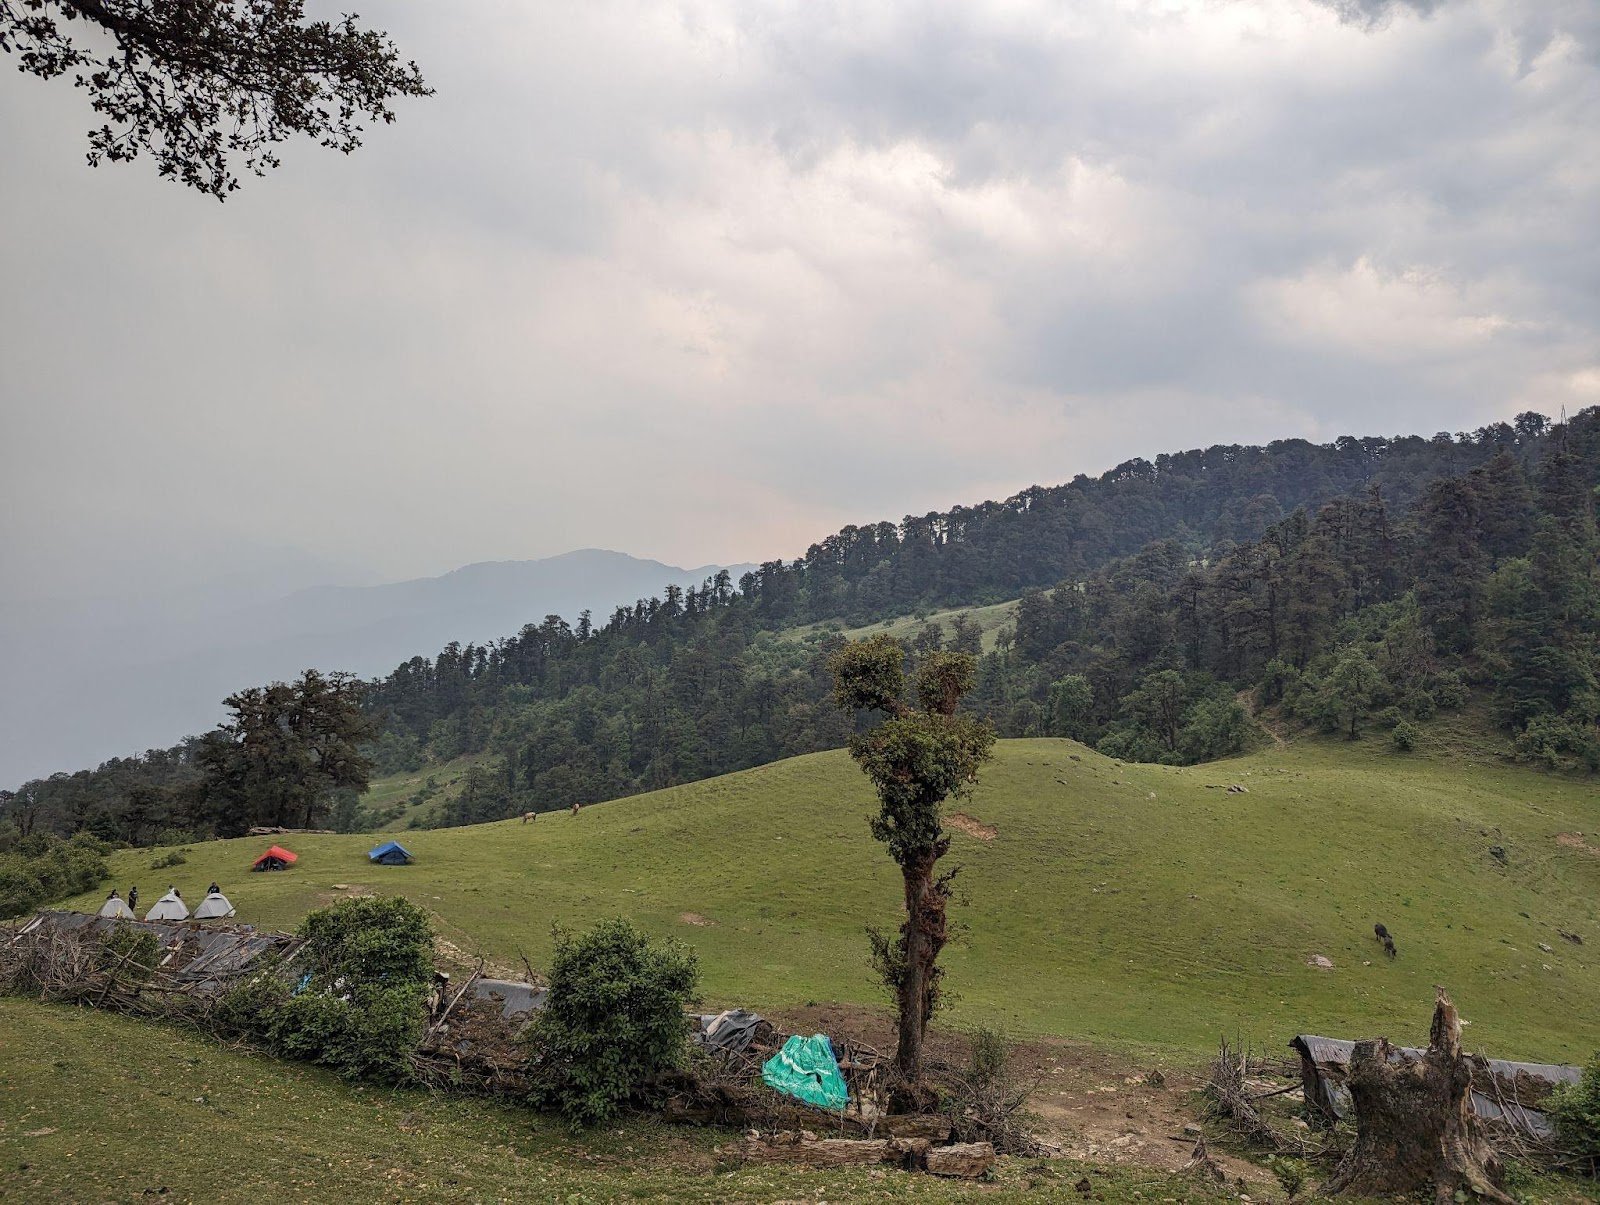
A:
1383	936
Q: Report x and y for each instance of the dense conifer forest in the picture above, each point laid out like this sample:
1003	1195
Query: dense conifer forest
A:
1359	587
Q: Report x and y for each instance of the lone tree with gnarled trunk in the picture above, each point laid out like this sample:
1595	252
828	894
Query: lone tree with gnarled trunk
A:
917	758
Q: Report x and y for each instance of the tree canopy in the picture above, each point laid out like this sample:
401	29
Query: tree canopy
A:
204	84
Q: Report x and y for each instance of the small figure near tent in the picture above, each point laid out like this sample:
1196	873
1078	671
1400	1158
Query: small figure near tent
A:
133	897
276	858
168	907
213	890
116	909
390	853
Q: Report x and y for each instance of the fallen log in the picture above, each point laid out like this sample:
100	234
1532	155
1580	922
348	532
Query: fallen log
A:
932	1126
1416	1130
967	1160
825	1152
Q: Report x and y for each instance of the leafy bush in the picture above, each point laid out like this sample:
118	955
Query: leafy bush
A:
613	1021
1574	1109
360	1006
1404	736
42	867
1559	743
176	857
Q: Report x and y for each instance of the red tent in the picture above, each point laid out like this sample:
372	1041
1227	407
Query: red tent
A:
275	858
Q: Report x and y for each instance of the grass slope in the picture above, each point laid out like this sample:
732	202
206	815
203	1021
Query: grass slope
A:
95	1107
1131	904
989	619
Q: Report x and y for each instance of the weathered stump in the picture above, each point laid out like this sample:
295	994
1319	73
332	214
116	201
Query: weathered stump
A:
1415	1127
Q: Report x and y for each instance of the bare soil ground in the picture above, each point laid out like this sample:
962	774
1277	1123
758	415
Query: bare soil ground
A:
1095	1105
964	823
1576	841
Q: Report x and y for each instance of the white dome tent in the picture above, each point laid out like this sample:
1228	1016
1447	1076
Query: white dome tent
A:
214	907
168	907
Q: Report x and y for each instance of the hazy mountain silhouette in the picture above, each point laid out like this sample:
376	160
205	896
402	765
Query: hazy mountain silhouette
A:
101	680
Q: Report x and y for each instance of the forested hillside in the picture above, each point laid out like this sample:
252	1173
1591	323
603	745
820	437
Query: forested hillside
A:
1359	586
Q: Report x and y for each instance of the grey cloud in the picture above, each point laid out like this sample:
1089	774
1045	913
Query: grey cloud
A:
703	282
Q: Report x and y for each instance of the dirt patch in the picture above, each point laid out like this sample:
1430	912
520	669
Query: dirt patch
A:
694	918
1096	1106
964	823
459	960
1576	841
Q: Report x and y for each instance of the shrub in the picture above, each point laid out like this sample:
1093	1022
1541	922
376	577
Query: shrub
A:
1574	1110
42	867
986	1101
175	858
614	1019
1559	743
359	1006
1404	736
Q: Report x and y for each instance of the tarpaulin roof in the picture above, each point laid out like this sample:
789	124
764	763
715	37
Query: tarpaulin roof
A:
389	847
277	851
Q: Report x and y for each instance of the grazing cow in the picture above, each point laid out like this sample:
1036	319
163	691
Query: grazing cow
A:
527	816
575	808
1383	936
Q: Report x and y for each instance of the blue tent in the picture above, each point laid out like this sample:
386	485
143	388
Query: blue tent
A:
390	853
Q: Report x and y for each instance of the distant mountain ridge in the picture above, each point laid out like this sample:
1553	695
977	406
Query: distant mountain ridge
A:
79	692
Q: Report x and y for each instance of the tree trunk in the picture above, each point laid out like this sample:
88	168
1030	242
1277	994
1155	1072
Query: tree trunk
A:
913	983
923	936
1415	1128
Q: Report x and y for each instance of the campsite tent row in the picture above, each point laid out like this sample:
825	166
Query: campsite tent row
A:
170	907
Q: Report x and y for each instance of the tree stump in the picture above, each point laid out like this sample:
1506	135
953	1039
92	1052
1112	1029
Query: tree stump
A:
1415	1127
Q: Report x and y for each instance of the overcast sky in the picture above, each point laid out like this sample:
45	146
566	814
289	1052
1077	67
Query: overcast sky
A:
704	281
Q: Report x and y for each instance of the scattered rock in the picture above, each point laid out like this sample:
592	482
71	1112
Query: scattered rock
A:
1498	853
1321	961
1235	789
1546	948
694	918
966	1160
1572	937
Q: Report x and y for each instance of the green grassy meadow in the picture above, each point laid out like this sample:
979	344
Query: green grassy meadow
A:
989	619
1133	905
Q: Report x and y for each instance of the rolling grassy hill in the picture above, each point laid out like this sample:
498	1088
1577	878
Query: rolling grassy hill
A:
1135	905
989	619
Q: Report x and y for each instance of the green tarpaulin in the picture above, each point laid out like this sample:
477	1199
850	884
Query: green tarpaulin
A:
806	1069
